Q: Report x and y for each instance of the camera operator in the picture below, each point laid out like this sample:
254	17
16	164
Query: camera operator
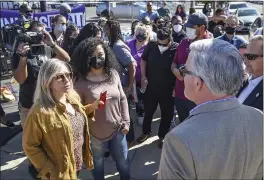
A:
26	68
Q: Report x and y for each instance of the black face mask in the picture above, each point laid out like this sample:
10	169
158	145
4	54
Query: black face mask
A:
160	25
97	62
230	30
141	37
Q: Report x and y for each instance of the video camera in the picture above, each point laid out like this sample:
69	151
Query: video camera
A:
33	39
17	33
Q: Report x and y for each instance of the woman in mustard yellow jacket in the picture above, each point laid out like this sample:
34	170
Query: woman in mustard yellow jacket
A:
56	134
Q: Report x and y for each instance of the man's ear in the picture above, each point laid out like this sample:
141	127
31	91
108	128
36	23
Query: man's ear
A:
198	83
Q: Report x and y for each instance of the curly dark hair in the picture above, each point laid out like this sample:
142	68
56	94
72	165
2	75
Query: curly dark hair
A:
82	56
115	32
89	30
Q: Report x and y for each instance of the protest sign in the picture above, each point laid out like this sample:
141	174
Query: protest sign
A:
77	16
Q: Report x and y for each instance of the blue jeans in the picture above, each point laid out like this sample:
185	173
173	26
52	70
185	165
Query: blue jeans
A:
118	149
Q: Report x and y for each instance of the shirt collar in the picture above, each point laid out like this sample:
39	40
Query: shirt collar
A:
215	105
70	101
232	39
255	81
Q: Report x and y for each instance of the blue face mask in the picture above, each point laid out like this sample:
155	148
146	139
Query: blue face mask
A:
62	28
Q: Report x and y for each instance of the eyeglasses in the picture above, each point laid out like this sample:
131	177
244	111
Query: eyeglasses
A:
184	71
251	57
64	77
160	22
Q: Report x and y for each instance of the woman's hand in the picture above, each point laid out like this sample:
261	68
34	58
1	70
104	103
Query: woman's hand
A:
124	129
96	103
144	81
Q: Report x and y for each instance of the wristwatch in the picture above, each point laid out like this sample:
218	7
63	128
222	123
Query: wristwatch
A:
53	45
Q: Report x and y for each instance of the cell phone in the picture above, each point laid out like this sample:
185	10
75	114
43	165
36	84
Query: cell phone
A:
103	99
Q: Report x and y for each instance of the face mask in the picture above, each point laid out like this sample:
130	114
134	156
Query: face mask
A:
163	49
191	33
62	28
29	16
97	62
160	26
141	37
230	30
177	28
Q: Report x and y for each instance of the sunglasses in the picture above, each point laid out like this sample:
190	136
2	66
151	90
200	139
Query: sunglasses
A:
64	77
149	5
251	57
184	71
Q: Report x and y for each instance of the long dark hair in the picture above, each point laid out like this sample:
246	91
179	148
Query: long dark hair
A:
89	30
183	10
67	41
84	52
133	27
115	32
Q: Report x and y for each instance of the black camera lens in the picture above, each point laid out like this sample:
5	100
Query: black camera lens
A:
35	50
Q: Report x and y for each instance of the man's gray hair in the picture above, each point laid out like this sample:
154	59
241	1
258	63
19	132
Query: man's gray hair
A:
258	38
219	64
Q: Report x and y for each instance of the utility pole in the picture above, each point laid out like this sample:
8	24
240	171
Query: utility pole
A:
191	4
43	6
108	6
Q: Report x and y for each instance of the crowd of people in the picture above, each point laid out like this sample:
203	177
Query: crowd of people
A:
213	84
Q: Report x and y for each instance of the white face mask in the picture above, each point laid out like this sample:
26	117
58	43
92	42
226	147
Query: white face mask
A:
191	33
177	28
163	49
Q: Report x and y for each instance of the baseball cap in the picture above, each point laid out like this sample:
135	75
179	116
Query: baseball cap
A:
196	19
24	8
65	8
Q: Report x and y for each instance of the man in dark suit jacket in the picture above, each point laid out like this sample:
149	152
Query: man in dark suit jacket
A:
251	93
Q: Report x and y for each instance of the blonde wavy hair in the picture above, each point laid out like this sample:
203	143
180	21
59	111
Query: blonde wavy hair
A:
142	29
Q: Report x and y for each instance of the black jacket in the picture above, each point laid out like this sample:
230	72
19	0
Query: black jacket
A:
255	98
177	37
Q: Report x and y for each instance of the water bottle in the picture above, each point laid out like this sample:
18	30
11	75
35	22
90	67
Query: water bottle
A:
144	87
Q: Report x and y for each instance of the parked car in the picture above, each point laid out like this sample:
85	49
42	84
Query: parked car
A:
247	16
257	24
124	9
233	6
